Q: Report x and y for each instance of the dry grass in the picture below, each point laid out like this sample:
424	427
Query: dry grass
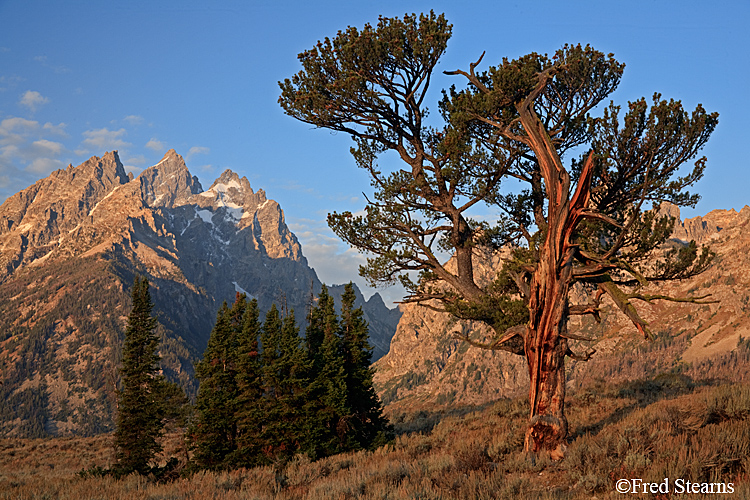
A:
662	427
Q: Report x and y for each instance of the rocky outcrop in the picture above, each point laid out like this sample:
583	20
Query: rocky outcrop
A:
704	228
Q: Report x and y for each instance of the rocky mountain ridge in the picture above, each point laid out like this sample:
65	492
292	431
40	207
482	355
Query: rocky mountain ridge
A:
70	246
428	367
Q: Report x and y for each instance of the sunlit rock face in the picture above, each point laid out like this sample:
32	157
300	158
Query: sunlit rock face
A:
70	246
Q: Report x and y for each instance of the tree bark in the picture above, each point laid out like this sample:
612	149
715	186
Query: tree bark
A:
545	344
545	347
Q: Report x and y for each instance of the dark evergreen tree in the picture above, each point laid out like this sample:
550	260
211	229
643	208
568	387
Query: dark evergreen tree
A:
325	404
365	426
214	433
264	396
284	369
250	415
140	408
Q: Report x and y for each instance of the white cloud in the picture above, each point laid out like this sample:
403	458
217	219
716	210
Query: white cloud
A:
135	160
133	119
155	145
16	124
58	129
32	99
105	139
44	166
196	150
48	148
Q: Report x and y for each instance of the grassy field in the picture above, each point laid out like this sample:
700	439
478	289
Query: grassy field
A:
664	427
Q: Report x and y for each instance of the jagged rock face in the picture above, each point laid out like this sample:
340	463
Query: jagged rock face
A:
70	246
426	366
34	221
708	227
168	184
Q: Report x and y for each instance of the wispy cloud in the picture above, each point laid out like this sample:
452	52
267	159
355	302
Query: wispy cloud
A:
136	171
135	160
27	152
133	119
155	145
295	186
16	125
43	166
32	100
58	129
44	61
105	139
48	148
196	150
8	82
333	261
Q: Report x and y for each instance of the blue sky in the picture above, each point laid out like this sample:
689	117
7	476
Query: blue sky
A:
79	78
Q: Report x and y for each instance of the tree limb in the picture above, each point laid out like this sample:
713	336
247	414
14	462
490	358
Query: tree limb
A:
511	341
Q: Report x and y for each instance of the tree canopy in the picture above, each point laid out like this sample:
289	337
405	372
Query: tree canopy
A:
575	182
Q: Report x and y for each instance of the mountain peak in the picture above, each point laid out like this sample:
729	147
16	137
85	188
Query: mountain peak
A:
233	191
108	168
168	183
231	180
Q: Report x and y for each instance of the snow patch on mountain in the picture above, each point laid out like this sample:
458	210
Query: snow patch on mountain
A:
239	289
206	215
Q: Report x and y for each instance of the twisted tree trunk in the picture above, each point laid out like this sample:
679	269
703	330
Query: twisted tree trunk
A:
545	342
545	348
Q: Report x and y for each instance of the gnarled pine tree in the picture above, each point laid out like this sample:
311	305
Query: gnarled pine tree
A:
587	222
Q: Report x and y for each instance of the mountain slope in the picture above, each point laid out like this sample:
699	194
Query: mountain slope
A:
427	366
70	246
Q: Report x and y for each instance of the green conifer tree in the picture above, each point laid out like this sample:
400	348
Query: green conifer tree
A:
326	405
284	369
366	427
214	434
140	409
250	415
